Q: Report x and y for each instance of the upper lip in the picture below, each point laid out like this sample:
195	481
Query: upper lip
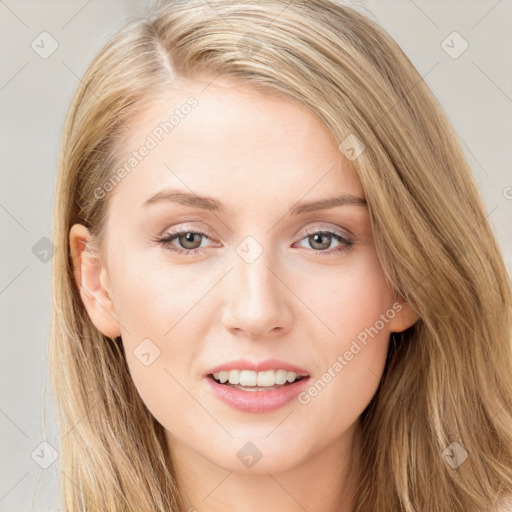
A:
261	366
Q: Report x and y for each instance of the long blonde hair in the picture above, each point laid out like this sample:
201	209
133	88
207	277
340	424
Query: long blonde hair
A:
447	384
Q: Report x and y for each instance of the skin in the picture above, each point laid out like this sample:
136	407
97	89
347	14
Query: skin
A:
259	155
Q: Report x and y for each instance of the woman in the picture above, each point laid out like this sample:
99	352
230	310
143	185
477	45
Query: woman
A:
276	287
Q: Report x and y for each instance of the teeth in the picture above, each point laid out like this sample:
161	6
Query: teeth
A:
261	379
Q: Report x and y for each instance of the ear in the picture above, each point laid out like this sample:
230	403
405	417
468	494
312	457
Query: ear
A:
405	315
92	281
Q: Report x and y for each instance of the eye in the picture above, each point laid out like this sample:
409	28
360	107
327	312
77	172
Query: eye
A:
321	240
190	242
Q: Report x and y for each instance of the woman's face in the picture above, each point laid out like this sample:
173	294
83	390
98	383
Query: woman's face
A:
260	282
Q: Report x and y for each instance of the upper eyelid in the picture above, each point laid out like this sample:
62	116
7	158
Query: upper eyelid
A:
306	232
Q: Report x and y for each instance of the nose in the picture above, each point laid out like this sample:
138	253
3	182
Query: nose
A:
257	299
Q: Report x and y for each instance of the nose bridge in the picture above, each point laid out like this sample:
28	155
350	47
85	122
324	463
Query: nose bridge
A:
254	280
255	302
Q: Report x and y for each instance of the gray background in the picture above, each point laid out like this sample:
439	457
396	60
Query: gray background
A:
475	89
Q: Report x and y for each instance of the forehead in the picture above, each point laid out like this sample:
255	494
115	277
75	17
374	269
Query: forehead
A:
225	139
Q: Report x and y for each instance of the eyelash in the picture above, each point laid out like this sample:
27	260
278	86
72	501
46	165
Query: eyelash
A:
346	243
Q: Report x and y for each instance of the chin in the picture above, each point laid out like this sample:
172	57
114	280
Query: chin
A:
259	455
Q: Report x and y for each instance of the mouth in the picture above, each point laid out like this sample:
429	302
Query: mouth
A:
260	397
288	383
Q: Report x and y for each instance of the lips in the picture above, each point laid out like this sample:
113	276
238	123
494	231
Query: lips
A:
261	366
260	400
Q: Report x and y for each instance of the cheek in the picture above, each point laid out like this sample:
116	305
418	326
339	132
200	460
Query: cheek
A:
153	294
355	309
160	311
350	298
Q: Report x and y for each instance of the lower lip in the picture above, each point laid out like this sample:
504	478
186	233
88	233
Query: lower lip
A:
257	401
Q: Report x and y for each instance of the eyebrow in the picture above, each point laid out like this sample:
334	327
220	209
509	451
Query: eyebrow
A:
211	204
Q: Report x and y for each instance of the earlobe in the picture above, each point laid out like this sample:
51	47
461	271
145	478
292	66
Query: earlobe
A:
92	281
405	315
